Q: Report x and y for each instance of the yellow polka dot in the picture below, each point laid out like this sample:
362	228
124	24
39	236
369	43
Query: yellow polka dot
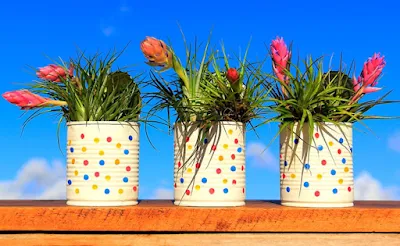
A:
117	162
96	140
225	181
118	145
293	176
346	169
77	191
197	187
221	158
190	147
330	143
73	161
225	146
101	152
319	176
120	191
108	177
76	172
83	149
189	170
340	181
69	142
94	187
230	131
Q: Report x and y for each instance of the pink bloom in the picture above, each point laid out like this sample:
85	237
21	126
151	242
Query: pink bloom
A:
24	99
232	75
372	69
371	89
280	57
53	73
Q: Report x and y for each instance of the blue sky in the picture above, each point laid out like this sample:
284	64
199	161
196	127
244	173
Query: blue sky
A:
32	30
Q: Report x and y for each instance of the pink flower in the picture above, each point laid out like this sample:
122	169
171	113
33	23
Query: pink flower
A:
25	99
54	73
232	75
372	69
156	52
280	57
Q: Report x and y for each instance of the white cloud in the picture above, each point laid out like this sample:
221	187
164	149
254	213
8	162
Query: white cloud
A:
394	142
261	156
367	187
163	193
108	31
36	179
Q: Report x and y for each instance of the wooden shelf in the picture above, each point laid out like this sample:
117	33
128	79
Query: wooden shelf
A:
163	216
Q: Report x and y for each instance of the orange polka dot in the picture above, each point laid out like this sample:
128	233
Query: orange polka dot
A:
293	176
346	169
221	158
117	162
118	145
73	161
69	142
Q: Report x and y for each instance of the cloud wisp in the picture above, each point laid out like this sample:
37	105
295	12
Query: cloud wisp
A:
261	157
367	187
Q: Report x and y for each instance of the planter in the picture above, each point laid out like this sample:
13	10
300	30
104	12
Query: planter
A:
320	176
210	165
102	163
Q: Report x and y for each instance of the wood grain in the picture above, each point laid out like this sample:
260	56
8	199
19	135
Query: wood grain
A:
163	216
243	239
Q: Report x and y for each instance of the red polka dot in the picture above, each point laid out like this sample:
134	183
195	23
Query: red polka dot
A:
218	170
214	147
317	193
128	168
85	162
233	156
323	162
243	190
242	168
82	136
109	139
211	191
134	188
349	189
317	135
339	151
187	139
234	182
179	164
236	141
283	176
96	174
187	192
280	156
197	165
175	185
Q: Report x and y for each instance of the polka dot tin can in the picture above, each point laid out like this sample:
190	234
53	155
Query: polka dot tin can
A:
319	174
209	165
102	163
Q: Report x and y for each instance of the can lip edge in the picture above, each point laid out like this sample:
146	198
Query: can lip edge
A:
86	123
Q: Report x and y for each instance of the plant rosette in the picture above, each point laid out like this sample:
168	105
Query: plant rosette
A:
316	112
101	108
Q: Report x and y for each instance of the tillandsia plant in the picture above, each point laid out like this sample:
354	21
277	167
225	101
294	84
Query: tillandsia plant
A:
315	96
85	89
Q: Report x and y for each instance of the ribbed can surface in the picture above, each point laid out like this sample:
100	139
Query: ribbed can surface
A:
102	163
319	176
209	165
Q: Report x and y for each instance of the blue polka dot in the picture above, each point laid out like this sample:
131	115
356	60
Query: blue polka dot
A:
125	179
71	149
239	150
101	162
204	180
205	141
233	168
296	141
226	190
107	191
130	138
351	149
333	172
126	152
341	140
85	177
307	166
344	160
334	191
285	163
288	189
69	182
320	147
306	184
182	180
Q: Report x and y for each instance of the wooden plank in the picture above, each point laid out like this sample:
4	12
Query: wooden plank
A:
163	216
243	239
